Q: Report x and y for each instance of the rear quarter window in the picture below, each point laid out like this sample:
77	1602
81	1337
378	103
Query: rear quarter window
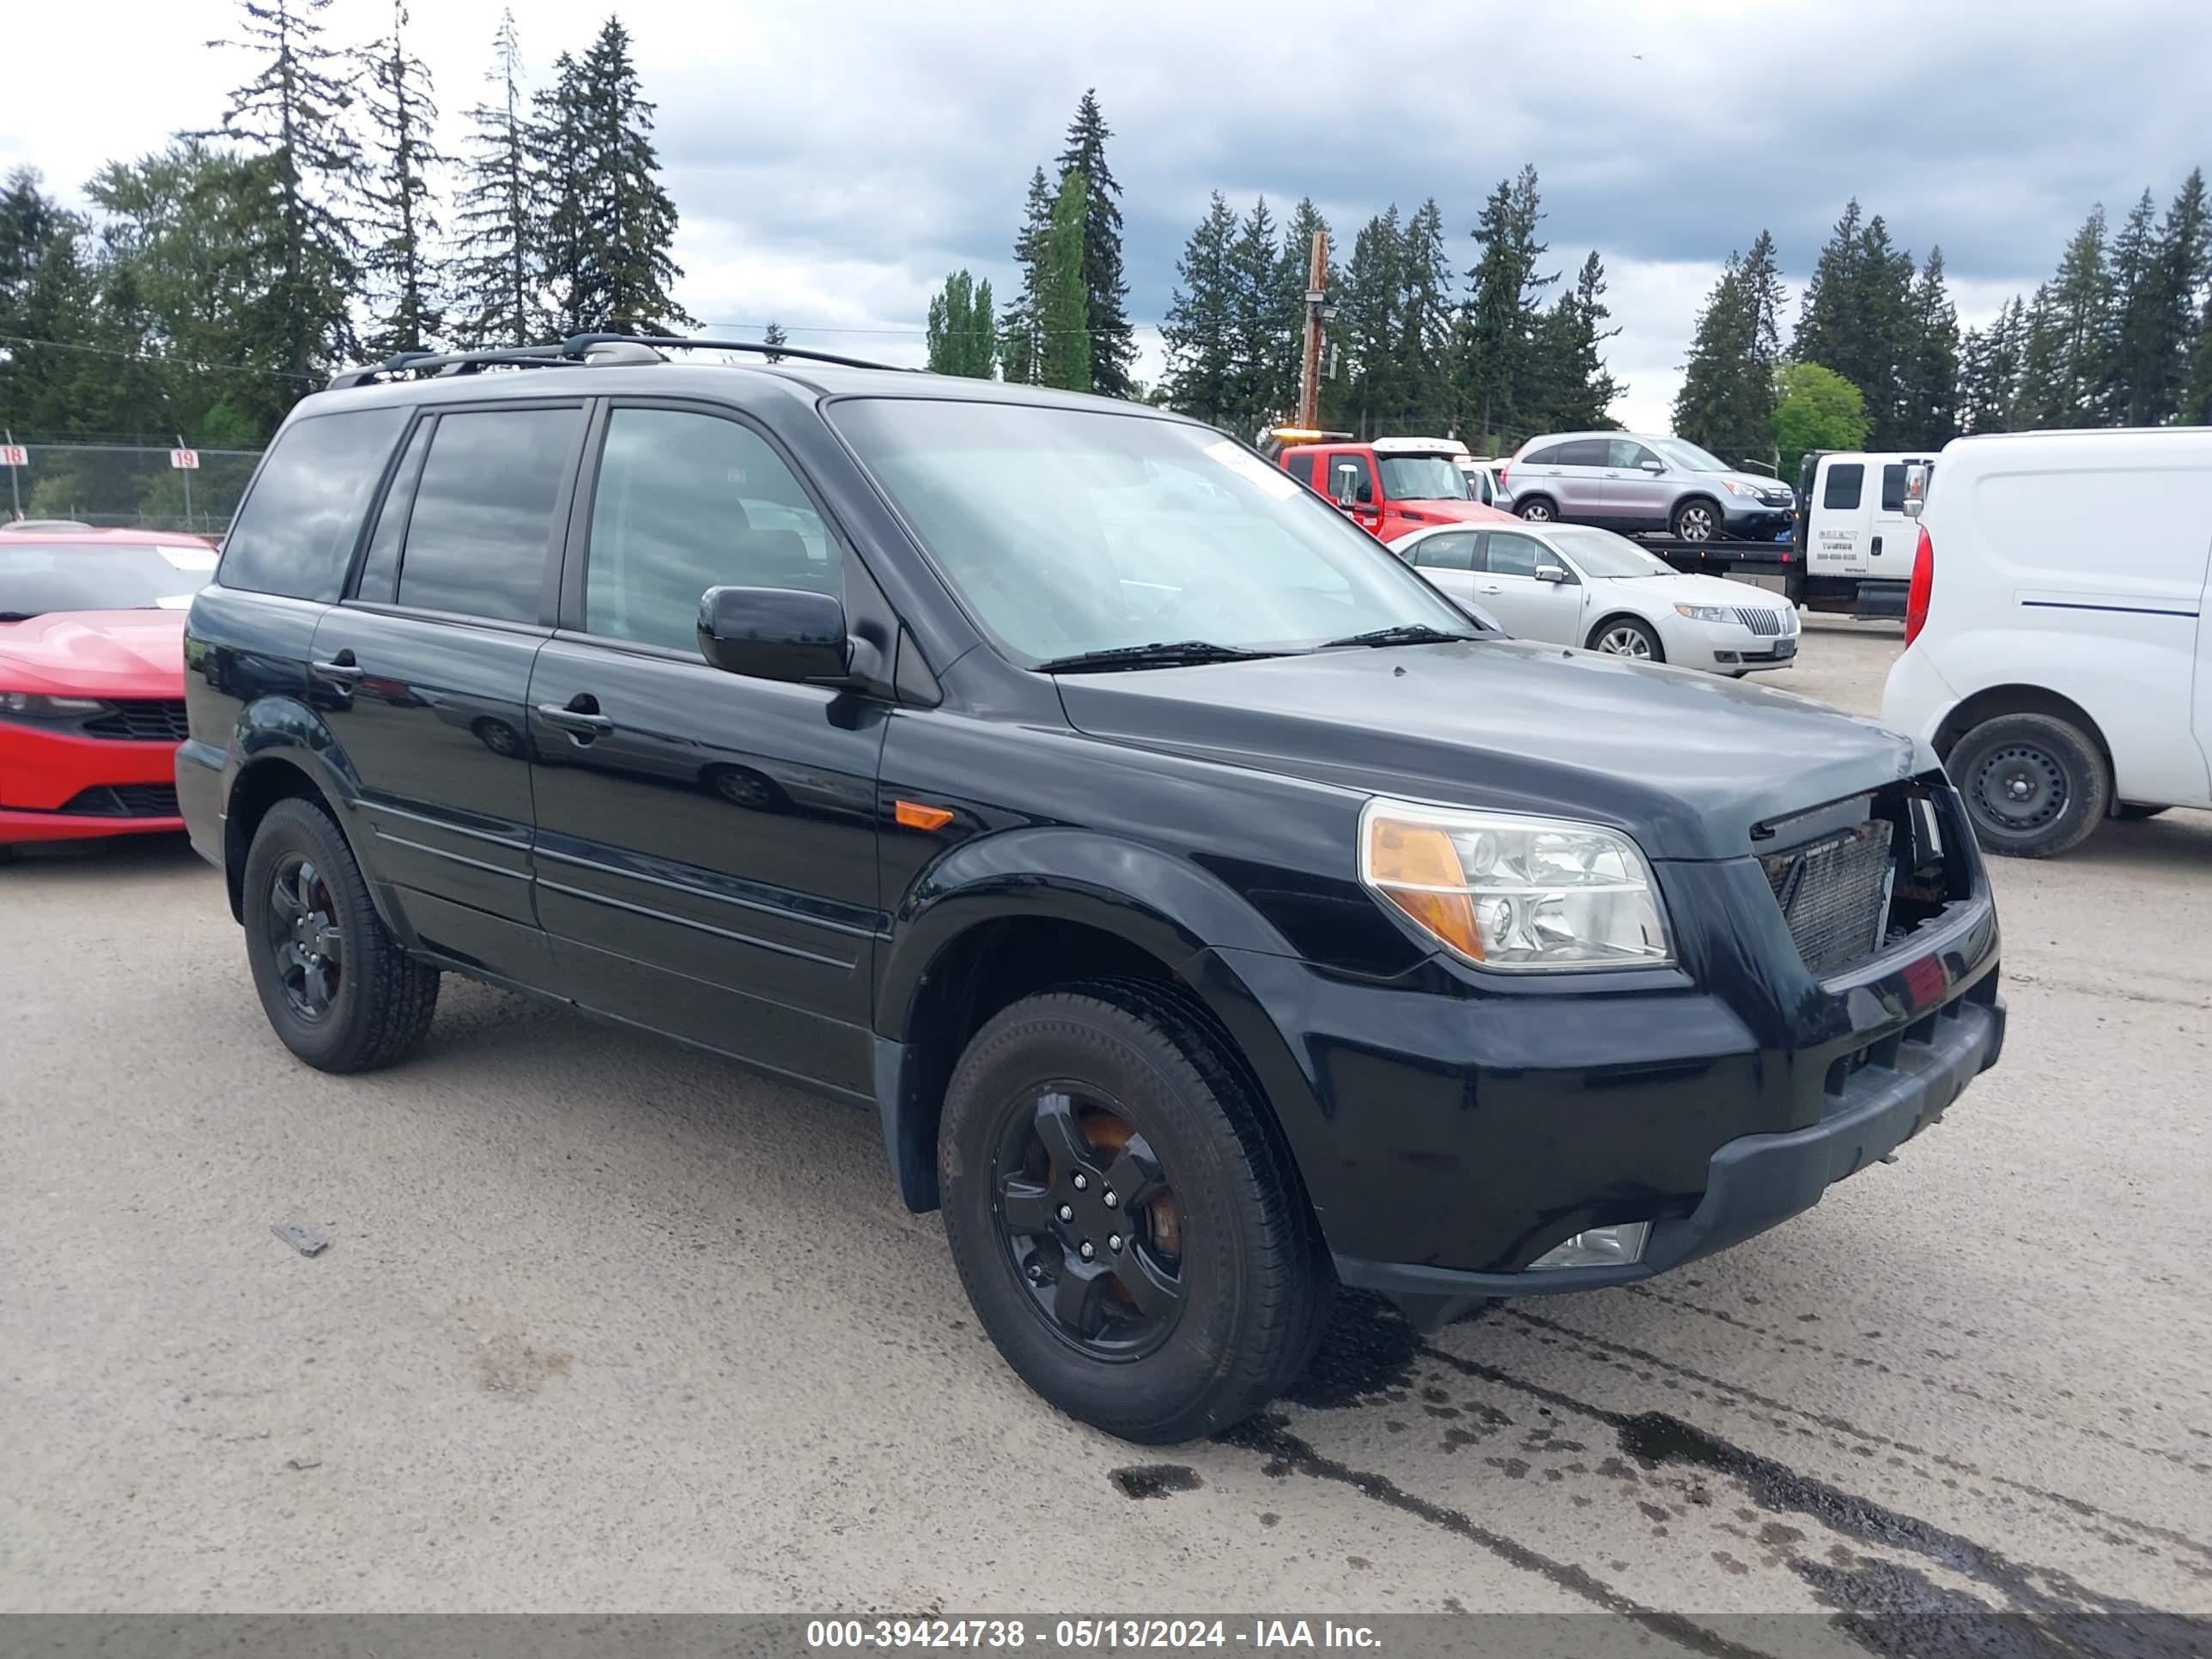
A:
295	531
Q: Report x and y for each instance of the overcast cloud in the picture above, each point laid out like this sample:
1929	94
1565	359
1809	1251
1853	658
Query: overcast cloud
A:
832	161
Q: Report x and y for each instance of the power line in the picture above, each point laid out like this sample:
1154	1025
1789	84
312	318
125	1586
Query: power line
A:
156	357
804	328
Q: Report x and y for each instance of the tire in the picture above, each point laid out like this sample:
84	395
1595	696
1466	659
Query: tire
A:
375	1000
1627	636
1695	520
2034	786
1227	1253
1537	509
2134	812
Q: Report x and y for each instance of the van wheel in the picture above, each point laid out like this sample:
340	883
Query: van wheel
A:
1696	521
339	991
2035	786
2134	812
1624	636
1536	509
1131	1234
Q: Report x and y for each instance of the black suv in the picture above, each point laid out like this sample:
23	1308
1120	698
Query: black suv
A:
1213	913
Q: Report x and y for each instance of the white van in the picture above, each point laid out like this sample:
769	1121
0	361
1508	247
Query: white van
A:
1854	538
2058	657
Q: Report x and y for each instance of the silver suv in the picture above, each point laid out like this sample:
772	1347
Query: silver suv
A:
1628	480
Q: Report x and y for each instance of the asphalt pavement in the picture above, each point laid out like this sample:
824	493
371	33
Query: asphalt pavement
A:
603	1324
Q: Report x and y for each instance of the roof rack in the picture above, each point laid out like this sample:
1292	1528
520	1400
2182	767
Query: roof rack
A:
601	350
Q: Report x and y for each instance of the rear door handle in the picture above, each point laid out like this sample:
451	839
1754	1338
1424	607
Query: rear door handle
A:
340	670
1876	549
582	722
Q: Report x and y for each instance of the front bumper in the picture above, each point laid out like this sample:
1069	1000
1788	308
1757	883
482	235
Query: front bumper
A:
1751	521
45	777
1755	1181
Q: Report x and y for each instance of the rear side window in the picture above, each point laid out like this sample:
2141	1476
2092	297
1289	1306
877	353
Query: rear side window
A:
1509	555
1585	452
483	521
1841	494
294	534
1548	456
1453	551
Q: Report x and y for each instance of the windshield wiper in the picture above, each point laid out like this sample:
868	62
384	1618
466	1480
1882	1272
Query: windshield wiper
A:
1160	653
1403	633
18	616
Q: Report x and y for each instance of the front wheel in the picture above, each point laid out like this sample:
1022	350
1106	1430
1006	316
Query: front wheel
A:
1696	521
1535	510
2034	786
339	991
1129	1230
1624	636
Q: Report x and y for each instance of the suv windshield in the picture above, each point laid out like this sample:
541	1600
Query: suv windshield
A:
1422	478
1602	553
1689	456
43	577
1064	531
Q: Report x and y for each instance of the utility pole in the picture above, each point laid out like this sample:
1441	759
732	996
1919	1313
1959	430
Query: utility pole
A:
1318	311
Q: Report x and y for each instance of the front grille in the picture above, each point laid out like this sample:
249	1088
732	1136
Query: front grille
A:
1768	622
124	800
1834	894
152	719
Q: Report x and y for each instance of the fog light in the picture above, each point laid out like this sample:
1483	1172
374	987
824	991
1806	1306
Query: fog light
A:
1724	656
1601	1247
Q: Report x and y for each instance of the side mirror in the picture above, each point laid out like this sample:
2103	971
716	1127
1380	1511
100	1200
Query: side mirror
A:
1550	573
1916	491
775	634
1655	468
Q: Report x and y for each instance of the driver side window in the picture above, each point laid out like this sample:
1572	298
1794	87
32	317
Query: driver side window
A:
685	502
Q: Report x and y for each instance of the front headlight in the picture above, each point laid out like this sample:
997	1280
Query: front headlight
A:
34	706
1519	894
1712	613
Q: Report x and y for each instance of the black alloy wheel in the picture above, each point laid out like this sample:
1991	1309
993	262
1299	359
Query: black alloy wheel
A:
306	936
1089	1223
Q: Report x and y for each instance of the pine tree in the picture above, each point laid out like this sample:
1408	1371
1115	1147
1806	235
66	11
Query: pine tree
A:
772	335
2041	393
1018	332
632	220
2079	319
1424	324
963	339
1573	389
2128	372
1112	341
1829	326
1498	323
1063	328
291	110
1203	374
1989	379
2184	246
1257	344
406	275
1857	319
1727	399
1927	416
1366	317
497	275
560	210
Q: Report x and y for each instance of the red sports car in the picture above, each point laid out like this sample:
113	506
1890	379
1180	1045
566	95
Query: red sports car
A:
92	678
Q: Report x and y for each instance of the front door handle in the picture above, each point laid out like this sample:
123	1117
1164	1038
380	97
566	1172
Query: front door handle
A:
1493	588
585	721
340	670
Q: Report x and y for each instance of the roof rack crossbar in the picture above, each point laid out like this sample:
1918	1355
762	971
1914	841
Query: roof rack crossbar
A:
572	351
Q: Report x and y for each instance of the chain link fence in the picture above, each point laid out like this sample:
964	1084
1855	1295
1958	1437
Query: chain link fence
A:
117	486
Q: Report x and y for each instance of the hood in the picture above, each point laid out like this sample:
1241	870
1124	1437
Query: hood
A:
1450	510
95	653
1705	590
1686	763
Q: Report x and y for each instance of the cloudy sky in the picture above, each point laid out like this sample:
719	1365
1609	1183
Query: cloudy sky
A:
831	161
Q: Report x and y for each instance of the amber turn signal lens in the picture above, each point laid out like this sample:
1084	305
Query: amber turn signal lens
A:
1417	868
915	816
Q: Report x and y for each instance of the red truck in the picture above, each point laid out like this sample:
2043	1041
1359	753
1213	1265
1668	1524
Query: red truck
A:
1391	486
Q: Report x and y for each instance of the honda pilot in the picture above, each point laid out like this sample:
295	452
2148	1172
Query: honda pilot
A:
1210	913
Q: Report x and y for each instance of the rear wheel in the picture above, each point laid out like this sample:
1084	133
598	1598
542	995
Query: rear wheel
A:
1129	1230
1696	520
1624	636
2134	812
2035	786
339	991
1536	509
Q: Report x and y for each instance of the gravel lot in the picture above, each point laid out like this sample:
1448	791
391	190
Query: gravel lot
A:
609	1325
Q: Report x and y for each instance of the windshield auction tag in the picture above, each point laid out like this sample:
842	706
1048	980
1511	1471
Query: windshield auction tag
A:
1272	479
189	558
